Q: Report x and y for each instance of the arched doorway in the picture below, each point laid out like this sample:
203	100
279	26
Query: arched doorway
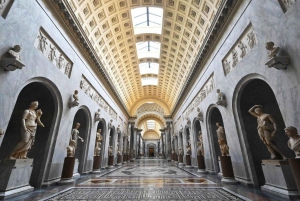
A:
42	149
101	125
258	92
151	149
82	117
214	117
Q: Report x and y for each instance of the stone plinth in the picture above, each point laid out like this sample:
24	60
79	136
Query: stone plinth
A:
96	164
14	177
279	177
75	171
201	164
175	158
124	159
110	162
188	162
227	170
119	160
180	158
295	166
68	171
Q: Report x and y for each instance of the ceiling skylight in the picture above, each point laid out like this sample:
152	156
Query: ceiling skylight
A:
148	49
149	81
148	68
150	124
147	20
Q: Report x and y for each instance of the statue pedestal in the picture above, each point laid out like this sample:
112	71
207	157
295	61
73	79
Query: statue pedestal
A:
188	162
295	166
128	158
227	170
110	162
75	171
124	159
14	177
201	164
68	171
119	160
279	177
180	158
96	164
175	158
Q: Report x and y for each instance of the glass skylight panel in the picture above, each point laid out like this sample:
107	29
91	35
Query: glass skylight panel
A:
150	124
148	49
149	68
147	20
149	81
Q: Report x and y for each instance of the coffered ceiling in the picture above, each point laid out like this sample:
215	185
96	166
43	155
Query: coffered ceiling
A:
109	28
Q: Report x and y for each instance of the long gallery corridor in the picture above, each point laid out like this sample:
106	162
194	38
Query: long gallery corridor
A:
148	179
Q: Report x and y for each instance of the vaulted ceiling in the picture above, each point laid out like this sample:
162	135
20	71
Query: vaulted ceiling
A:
109	28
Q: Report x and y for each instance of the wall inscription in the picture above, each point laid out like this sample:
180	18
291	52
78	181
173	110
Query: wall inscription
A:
52	52
204	91
94	95
240	49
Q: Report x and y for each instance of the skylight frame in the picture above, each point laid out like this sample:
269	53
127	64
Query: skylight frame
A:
148	49
147	20
151	124
149	68
149	81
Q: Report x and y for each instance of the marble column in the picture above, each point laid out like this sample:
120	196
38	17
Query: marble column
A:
162	142
168	131
132	133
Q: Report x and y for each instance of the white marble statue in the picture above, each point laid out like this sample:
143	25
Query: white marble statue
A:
110	150
30	120
180	151
75	135
71	148
200	145
272	50
188	148
222	140
52	54
243	48
294	139
15	52
267	128
110	126
98	143
42	43
75	96
221	100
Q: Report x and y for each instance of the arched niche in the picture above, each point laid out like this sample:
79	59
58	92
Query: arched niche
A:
187	137
180	141
41	152
102	125
82	116
258	92
214	116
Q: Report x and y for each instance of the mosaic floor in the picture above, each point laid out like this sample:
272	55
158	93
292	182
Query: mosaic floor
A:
152	171
145	194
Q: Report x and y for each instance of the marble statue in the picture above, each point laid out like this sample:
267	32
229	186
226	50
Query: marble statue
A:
234	58
200	115
71	148
294	139
75	96
266	127
272	50
75	135
60	61
128	151
2	131
110	150
68	69
222	140
98	143
251	39
180	151
97	115
75	102
200	145
226	65
224	147
188	148
30	120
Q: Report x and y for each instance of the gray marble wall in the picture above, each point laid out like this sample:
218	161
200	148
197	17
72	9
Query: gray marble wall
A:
21	26
270	23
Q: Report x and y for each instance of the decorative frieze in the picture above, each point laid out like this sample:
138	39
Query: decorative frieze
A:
94	95
5	6
286	4
240	49
51	51
204	91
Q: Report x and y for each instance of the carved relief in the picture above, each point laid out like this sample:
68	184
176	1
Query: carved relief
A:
94	95
5	6
240	49
50	50
204	91
286	4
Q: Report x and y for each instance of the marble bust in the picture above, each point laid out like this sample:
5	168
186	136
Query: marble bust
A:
97	115
179	151
75	96
294	139
12	61
110	151
110	126
71	149
30	120
221	100
272	50
15	52
74	102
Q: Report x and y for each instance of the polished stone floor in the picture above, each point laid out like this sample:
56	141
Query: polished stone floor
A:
149	179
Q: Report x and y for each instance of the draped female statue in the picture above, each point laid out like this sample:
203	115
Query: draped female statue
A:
30	120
